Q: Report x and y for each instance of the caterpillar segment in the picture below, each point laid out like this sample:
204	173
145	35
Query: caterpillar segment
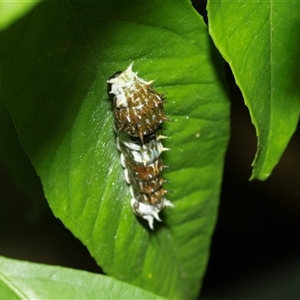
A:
138	115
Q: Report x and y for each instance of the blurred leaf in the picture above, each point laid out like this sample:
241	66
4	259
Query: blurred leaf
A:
25	280
259	40
10	11
56	66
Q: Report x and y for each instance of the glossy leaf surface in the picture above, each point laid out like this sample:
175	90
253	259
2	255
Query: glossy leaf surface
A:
259	40
57	64
25	280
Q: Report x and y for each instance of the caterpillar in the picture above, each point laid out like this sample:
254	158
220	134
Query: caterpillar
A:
138	115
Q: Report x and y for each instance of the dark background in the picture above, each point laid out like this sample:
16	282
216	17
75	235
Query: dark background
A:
256	244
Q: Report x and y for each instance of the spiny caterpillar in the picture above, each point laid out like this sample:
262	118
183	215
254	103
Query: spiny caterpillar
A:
138	115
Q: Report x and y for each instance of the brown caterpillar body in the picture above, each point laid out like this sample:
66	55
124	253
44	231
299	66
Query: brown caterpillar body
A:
138	114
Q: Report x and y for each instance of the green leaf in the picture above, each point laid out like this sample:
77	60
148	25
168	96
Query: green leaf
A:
54	78
18	166
25	280
259	40
10	11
